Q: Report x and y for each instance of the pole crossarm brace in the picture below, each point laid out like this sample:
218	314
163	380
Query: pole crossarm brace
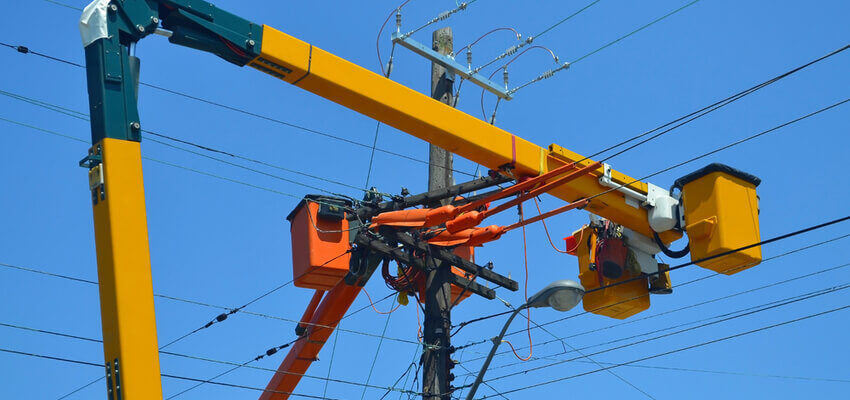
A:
450	64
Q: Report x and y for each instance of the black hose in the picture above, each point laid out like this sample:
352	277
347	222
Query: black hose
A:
667	251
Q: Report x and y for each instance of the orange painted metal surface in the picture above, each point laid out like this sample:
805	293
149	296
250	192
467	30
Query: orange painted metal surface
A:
306	350
319	244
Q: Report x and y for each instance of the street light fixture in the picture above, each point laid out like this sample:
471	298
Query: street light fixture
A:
562	295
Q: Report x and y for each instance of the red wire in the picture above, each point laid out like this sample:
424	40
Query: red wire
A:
419	330
547	231
528	310
373	304
233	48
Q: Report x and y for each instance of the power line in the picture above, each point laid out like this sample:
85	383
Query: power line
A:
763	308
701	279
230	311
241	111
787	322
233	385
81	116
274	350
734	314
733	144
768	241
709	108
63	5
158	161
441	17
552	72
513	49
205	359
579	351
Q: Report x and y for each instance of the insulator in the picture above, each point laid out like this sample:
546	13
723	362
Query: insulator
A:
469	58
398	19
505	75
548	74
444	15
511	50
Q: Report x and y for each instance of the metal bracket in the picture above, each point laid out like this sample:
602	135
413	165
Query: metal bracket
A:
94	162
450	64
633	198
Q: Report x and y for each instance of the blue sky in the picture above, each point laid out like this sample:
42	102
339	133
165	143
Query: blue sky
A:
223	243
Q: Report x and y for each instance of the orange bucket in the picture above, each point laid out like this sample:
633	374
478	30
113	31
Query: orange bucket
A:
320	240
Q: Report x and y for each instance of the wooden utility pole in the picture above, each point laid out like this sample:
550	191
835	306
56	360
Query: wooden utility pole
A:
436	361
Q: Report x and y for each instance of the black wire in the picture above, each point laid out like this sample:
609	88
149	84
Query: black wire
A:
787	253
678	350
742	312
81	116
768	241
748	138
765	308
708	109
243	111
233	385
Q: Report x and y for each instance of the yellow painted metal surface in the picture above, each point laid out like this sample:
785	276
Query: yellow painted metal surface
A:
621	301
721	214
124	272
364	91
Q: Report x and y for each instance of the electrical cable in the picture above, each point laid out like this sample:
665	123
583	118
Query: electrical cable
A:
84	117
274	350
504	67
767	241
441	17
787	322
378	38
513	49
63	5
331	362
158	161
245	112
233	385
552	72
392	309
564	344
377	350
584	202
784	302
525	294
716	274
709	108
220	307
719	149
468	47
197	358
726	315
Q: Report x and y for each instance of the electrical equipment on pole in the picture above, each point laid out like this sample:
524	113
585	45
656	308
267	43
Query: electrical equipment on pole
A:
717	207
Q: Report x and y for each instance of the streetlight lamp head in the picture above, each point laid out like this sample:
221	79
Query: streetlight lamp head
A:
561	295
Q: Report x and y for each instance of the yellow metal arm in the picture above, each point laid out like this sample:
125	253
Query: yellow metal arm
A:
373	95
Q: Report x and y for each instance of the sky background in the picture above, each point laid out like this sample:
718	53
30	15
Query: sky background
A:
220	242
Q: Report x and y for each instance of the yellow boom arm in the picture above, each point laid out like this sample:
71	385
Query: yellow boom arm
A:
373	95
